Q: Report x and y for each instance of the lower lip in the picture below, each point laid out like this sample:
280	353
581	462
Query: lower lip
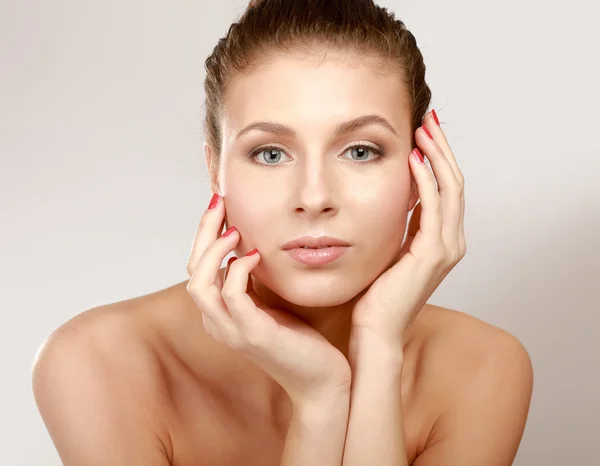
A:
320	256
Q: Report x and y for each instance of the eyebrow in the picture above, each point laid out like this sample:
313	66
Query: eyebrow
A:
343	128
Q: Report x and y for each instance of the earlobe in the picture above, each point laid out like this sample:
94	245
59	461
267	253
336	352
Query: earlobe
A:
212	173
414	194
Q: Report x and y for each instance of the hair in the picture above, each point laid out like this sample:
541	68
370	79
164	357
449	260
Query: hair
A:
352	26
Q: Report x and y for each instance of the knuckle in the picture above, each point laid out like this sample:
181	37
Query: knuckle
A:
227	293
453	257
237	342
254	340
190	287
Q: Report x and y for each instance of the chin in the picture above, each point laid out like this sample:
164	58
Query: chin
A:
318	298
313	287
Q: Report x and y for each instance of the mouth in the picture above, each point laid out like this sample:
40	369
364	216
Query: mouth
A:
314	242
317	256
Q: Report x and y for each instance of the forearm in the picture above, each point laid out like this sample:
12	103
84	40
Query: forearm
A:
375	433
317	431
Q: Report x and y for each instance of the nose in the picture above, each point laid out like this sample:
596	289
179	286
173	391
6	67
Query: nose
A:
317	191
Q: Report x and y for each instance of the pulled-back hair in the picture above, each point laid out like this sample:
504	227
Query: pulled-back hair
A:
356	27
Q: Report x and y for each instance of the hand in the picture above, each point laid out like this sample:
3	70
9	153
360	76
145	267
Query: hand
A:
435	243
298	357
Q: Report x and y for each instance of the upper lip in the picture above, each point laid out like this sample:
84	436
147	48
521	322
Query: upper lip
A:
315	242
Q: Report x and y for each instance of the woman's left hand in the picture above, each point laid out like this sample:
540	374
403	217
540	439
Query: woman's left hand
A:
434	244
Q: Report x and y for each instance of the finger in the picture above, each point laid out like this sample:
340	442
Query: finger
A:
448	186
432	124
235	287
211	225
209	266
211	328
430	212
440	138
212	306
227	267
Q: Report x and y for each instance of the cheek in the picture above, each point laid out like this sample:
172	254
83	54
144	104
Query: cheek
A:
247	211
385	218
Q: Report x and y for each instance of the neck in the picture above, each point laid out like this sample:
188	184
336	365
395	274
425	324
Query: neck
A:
333	322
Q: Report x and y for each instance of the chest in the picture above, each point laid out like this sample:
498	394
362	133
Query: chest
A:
223	433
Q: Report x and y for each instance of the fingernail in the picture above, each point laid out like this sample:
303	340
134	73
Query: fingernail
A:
417	155
254	251
228	232
435	117
213	201
231	259
427	131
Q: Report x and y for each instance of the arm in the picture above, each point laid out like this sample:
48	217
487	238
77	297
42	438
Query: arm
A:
482	425
375	431
93	419
317	431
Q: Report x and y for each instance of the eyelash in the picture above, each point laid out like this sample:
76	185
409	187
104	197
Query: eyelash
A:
254	154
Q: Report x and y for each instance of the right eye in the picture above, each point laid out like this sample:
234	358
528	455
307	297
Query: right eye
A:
271	154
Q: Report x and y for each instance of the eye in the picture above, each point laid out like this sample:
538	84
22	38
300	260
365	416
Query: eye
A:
363	151
272	154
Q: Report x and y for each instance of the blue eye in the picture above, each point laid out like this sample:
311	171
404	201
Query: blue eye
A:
361	150
271	153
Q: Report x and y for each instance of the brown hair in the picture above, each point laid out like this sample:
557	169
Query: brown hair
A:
355	26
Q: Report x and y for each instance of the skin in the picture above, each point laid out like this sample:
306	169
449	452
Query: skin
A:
182	377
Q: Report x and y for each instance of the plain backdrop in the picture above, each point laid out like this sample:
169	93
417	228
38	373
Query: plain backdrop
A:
103	181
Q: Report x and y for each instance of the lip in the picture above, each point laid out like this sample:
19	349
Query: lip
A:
315	242
317	256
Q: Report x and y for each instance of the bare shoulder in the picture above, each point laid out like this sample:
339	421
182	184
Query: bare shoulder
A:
467	344
483	377
95	381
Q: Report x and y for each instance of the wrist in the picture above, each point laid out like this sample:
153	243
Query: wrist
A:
373	352
322	408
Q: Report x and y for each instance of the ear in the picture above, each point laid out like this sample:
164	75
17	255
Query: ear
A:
213	172
414	193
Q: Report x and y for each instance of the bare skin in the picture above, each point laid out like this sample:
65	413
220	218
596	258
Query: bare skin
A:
172	395
167	378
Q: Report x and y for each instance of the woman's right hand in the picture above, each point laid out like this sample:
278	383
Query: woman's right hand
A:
294	354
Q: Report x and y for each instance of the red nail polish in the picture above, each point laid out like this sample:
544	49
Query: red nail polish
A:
214	201
435	117
418	155
254	251
427	131
228	232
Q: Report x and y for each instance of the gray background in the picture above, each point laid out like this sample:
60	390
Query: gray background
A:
102	181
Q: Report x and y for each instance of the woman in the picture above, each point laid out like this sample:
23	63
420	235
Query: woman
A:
316	346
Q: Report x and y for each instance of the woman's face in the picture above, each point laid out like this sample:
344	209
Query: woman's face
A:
314	183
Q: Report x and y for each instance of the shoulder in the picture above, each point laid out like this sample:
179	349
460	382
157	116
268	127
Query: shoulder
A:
471	346
484	376
95	383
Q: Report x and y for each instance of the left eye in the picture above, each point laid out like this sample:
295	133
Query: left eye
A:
361	151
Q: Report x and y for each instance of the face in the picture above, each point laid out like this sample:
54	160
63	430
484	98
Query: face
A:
354	185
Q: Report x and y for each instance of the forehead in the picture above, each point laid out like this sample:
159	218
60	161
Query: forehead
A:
315	91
